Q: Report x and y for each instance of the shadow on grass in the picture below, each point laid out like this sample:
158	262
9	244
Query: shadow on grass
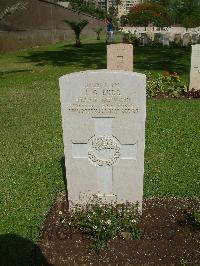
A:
18	251
4	73
175	59
93	56
88	56
62	162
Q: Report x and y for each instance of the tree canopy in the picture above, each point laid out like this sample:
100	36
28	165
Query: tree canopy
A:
143	14
87	7
181	10
12	9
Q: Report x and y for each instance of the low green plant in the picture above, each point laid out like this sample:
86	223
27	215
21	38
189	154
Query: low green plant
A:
77	27
134	39
196	218
155	43
88	7
104	221
177	43
165	85
98	32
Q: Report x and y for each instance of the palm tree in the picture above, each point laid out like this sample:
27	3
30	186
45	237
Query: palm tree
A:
98	31
77	27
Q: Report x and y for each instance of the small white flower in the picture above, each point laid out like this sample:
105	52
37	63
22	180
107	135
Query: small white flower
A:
95	227
133	221
60	212
69	223
88	217
108	222
102	221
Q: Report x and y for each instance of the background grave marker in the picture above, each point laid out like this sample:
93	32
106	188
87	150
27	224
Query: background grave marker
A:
195	68
120	56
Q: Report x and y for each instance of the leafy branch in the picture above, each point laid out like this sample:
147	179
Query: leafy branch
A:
12	9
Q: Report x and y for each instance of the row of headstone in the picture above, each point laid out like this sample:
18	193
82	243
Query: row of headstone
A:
170	30
187	39
165	38
103	121
144	39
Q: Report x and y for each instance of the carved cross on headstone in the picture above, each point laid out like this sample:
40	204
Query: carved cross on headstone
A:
105	151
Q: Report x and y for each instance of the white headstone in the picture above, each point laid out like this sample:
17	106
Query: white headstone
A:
165	40
103	121
195	68
151	35
195	38
177	38
144	39
187	39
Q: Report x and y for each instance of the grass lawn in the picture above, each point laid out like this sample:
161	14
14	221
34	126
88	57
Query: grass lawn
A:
31	153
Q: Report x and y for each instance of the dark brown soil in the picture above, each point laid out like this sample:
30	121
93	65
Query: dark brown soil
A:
169	238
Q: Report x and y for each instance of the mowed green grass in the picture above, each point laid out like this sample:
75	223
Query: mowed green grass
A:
172	165
31	154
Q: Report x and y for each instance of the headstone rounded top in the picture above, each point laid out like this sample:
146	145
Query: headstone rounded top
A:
196	46
106	72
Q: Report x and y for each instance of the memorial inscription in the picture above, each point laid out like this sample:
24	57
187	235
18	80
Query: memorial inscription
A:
99	98
103	120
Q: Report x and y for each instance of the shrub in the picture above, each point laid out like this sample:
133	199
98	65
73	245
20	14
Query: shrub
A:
196	217
155	43
134	39
104	222
88	7
193	218
165	85
177	43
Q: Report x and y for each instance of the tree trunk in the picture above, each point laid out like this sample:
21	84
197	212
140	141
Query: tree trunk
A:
78	43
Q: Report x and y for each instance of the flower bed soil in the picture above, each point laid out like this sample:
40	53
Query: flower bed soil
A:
169	237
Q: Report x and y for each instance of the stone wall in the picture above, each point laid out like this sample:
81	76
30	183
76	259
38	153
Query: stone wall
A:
42	22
